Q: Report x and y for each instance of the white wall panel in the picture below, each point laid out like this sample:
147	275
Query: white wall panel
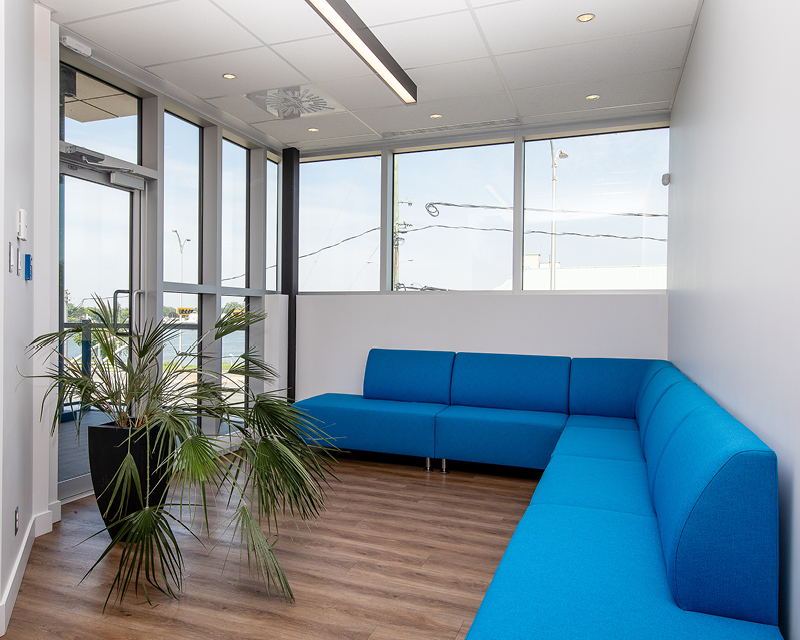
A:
734	277
336	332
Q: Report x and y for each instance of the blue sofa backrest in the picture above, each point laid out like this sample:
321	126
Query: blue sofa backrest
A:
677	404
652	392
605	386
716	497
409	376
503	381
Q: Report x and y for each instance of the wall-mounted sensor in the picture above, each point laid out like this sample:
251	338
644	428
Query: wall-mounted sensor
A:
28	266
78	47
665	179
22	224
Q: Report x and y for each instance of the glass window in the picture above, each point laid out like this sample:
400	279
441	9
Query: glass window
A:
597	204
182	146
453	215
272	226
234	215
340	219
97	116
182	309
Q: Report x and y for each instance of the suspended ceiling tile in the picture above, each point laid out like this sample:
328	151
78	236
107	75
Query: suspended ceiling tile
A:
434	40
375	13
333	125
643	88
323	58
276	21
255	69
603	113
363	92
83	112
625	55
120	105
455	111
456	79
240	107
531	24
167	32
68	10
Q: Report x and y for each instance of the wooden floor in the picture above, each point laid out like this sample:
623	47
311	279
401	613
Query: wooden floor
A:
400	554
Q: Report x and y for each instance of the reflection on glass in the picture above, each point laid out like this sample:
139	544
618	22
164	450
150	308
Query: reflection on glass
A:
272	226
181	200
606	203
182	310
453	219
96	235
340	219
99	117
234	215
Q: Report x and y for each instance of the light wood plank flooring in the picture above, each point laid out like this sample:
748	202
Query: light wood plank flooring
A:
400	554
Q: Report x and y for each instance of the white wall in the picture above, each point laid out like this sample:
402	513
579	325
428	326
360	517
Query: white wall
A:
17	299
28	168
734	272
336	332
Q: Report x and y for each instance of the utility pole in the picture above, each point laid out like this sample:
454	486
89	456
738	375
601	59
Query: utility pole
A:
180	295
556	157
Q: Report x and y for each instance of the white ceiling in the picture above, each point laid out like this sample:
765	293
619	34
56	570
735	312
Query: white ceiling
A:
474	61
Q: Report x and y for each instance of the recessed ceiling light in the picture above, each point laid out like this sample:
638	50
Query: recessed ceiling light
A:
229	76
313	130
436	116
586	17
592	96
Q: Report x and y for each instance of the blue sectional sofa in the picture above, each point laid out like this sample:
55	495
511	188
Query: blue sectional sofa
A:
657	512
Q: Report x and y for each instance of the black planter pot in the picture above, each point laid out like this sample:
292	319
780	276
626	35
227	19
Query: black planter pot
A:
108	446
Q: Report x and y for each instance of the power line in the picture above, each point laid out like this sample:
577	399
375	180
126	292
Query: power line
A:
432	209
546	233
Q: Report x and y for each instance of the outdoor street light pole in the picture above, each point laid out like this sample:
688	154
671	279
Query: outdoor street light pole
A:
180	295
556	157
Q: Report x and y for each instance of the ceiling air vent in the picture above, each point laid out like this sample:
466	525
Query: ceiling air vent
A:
298	101
488	124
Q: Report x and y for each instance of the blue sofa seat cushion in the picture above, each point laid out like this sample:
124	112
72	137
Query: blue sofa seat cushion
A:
507	381
572	572
588	442
408	376
597	483
716	496
603	422
498	436
605	386
353	422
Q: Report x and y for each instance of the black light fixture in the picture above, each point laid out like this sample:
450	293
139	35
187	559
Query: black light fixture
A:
342	19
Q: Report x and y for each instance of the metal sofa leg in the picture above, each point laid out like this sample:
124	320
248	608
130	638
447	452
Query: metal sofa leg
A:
444	466
428	465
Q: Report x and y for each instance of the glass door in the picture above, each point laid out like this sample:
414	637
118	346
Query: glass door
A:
95	263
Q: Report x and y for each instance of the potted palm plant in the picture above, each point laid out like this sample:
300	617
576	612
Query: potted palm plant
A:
165	468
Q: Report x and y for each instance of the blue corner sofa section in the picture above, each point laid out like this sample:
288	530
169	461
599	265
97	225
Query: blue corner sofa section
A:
657	512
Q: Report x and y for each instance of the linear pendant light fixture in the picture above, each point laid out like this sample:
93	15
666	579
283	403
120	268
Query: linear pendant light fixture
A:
342	19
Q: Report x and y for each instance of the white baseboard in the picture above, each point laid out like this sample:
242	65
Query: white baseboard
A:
10	594
42	523
55	509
